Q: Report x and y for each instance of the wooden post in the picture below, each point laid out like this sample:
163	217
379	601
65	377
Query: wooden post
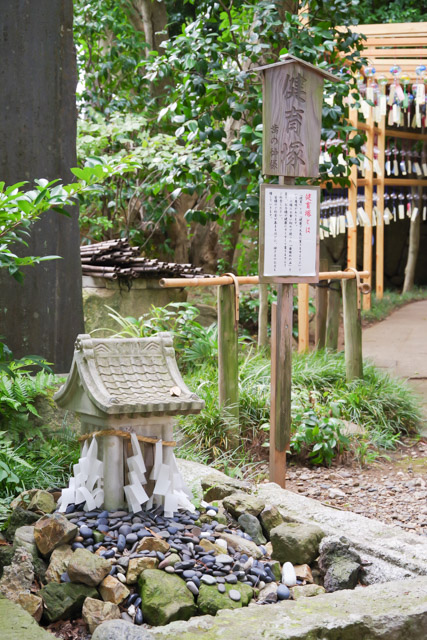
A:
369	196
228	365
321	309
352	202
303	318
263	315
333	316
379	246
352	331
281	382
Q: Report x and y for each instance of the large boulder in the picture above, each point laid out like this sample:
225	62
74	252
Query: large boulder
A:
296	543
18	624
52	531
42	502
239	503
165	597
217	488
58	564
95	612
210	600
340	564
65	600
87	567
18	576
121	630
24	537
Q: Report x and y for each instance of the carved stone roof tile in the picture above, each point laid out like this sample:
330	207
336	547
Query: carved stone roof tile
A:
128	376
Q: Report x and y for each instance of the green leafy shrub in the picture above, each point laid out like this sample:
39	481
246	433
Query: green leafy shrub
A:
319	438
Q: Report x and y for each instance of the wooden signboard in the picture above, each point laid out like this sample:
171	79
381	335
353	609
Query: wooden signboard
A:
289	234
292	117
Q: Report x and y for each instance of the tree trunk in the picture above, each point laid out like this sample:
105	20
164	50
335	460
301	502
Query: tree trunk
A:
414	245
38	140
150	17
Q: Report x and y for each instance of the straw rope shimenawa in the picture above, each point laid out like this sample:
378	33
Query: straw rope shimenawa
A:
125	434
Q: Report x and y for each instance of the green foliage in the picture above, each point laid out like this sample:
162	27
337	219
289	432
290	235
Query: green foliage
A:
319	438
193	343
383	11
19	209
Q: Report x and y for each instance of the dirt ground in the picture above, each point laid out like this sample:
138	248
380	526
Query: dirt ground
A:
393	491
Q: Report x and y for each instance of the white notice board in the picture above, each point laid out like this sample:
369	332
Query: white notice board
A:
289	230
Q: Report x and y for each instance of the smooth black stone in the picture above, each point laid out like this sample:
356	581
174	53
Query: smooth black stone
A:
164	534
113	571
172	530
138	601
160	556
143	533
240	574
252	579
231	579
217	573
71	508
221	588
103	514
85	532
107	540
283	592
127	518
124	529
220	579
244	558
97	545
189	564
80	506
196	581
155	529
77	545
131	538
108	554
131	599
65	577
121	543
117	514
103	528
113	521
260	573
136	520
137	526
269	579
89	544
188	573
213	509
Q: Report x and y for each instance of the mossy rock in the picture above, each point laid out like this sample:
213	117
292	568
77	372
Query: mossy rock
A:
210	600
19	518
65	600
6	555
165	597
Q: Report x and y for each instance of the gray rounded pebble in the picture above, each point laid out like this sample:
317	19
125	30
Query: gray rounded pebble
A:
234	595
221	588
192	587
169	569
207	579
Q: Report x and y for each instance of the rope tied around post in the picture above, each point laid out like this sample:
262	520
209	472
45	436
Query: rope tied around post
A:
126	434
363	287
236	298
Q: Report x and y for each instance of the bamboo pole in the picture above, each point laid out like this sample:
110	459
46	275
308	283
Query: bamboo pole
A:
168	283
228	366
303	318
333	316
352	331
321	310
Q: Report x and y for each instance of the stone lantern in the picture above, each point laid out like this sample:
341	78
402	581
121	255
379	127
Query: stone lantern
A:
127	393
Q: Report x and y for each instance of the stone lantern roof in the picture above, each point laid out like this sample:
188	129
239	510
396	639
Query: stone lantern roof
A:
135	376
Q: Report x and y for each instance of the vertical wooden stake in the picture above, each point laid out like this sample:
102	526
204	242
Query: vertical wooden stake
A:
321	309
263	315
379	265
333	318
352	331
303	318
281	382
228	365
369	196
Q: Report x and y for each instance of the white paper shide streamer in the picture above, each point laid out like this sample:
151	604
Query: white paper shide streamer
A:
86	485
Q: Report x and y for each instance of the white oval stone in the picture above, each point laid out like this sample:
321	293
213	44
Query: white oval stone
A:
289	577
211	512
121	577
221	543
131	610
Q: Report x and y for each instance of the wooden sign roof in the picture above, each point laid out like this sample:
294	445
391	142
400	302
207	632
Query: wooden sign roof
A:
288	59
133	376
